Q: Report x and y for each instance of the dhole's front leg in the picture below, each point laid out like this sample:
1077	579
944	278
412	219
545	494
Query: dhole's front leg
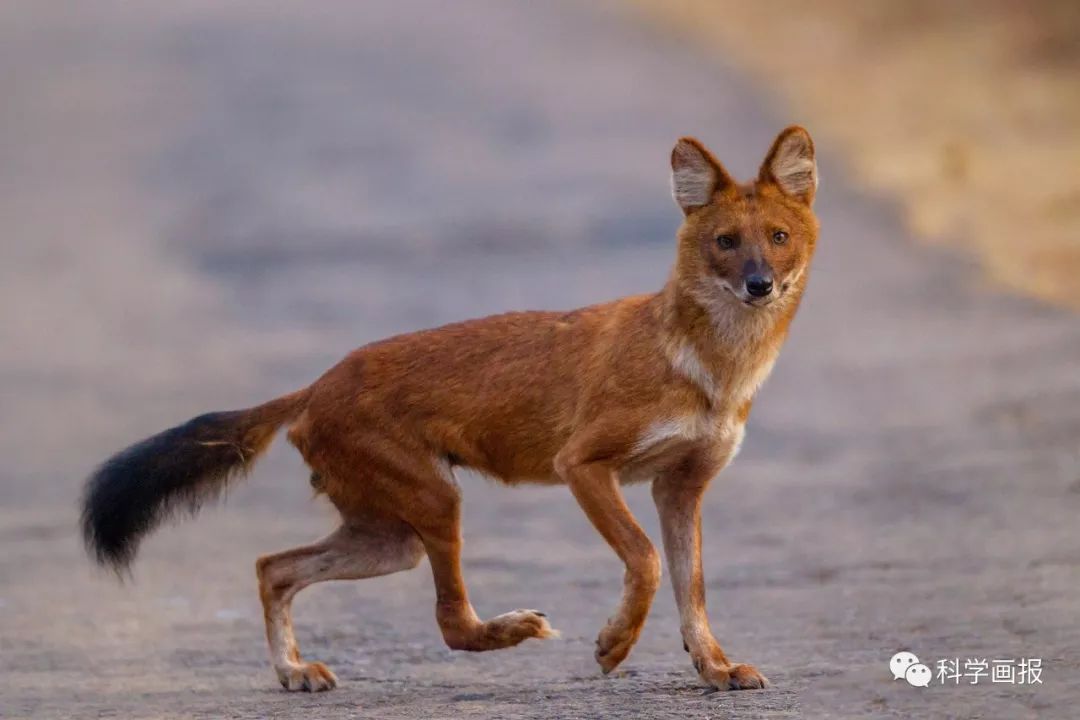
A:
597	490
678	500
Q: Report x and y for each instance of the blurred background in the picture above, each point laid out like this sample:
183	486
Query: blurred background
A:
965	112
205	205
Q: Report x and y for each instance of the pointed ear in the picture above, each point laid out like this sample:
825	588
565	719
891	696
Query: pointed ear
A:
695	174
790	164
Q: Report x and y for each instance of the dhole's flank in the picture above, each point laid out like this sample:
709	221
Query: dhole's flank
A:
653	388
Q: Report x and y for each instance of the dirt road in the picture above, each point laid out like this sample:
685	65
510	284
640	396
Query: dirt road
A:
206	206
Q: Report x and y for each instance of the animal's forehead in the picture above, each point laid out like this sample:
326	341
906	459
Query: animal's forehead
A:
750	204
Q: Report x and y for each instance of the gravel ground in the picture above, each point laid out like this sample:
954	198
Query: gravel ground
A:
206	205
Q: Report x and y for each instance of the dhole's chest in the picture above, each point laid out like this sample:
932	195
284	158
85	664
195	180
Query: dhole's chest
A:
708	437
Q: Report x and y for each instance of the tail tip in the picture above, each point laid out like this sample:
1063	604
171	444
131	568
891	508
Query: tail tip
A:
107	549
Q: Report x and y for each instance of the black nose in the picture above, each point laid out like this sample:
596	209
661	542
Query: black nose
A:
759	285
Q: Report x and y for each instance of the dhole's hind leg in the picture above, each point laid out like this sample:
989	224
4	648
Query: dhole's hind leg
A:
360	548
435	513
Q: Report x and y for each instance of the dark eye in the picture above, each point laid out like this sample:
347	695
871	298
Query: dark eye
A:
779	237
726	242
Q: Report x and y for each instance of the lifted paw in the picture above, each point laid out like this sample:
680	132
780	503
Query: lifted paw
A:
307	677
514	627
613	645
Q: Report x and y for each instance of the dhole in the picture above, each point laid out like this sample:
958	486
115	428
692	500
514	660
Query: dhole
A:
653	388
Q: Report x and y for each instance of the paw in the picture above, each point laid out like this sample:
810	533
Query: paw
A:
739	676
309	677
613	645
514	627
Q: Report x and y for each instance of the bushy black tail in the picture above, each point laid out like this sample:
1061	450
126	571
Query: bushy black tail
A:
176	470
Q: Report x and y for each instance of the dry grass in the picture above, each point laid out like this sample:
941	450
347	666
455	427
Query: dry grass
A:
968	111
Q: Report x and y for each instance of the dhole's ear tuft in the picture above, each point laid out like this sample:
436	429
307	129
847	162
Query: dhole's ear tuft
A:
695	174
790	164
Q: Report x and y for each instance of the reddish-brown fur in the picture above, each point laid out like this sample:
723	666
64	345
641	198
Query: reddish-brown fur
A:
647	388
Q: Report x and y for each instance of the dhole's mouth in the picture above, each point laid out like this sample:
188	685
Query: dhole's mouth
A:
750	301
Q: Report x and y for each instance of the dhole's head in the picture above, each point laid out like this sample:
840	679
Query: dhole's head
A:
746	244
